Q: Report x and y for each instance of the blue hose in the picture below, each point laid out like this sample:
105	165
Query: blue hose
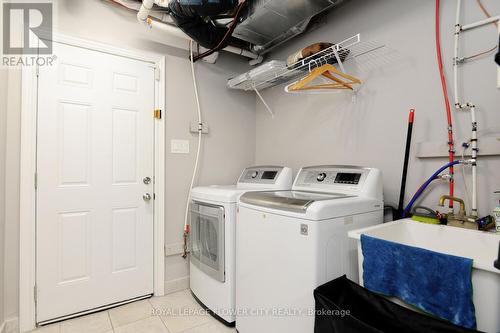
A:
425	185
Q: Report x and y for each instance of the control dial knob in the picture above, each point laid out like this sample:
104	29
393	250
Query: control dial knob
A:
255	174
321	177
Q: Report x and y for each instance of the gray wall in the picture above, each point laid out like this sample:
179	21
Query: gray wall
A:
324	129
228	148
307	129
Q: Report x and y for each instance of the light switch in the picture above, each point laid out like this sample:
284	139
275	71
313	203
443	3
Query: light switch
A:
179	146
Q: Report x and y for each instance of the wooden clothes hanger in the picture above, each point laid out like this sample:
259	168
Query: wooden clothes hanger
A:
340	80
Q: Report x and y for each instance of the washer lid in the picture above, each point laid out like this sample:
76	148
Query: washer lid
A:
292	201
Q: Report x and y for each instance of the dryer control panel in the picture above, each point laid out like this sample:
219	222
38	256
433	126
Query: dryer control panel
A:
271	176
351	180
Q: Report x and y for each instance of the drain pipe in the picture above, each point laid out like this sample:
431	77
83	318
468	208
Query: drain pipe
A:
170	29
143	13
474	158
143	17
456	60
466	106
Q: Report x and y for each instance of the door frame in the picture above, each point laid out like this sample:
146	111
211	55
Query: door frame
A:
27	213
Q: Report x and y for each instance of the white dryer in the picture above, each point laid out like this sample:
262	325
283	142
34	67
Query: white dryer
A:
290	242
213	232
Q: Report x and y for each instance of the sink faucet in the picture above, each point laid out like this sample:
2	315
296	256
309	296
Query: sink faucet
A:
461	219
448	197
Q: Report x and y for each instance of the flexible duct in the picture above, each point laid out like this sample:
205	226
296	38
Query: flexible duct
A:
191	17
143	15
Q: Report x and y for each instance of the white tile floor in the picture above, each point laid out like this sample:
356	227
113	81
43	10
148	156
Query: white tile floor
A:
174	313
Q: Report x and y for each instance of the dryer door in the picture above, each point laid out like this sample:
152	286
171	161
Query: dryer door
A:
207	239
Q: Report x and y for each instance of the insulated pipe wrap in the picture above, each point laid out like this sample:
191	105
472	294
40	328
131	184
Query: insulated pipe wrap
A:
193	18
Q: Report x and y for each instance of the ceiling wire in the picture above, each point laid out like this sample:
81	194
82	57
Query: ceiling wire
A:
485	11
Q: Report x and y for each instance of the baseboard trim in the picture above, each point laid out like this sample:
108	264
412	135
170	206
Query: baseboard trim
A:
176	285
10	325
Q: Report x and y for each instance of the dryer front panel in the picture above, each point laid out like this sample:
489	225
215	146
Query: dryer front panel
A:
207	239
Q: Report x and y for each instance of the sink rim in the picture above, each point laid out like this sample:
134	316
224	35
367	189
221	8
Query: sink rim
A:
486	265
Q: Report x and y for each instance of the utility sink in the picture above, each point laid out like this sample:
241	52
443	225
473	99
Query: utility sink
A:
480	246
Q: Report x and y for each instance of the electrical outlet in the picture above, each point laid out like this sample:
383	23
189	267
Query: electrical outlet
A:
193	127
179	146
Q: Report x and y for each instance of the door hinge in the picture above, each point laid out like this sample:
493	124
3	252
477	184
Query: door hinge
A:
157	73
157	114
36	181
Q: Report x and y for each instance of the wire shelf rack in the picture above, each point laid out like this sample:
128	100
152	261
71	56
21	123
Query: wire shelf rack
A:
277	72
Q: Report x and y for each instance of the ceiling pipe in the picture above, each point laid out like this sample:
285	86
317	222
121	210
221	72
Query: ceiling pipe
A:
170	29
143	15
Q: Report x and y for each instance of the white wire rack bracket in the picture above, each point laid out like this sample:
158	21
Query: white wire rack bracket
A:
264	102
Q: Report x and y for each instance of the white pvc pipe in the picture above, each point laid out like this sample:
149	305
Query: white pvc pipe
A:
180	34
456	54
481	23
143	13
470	106
242	52
474	158
170	29
161	3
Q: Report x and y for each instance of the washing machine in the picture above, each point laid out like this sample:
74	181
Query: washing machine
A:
290	242
213	232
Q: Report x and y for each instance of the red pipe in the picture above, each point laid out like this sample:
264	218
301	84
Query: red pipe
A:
451	149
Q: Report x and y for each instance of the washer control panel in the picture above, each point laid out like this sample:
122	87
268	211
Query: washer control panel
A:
351	180
266	175
259	175
331	178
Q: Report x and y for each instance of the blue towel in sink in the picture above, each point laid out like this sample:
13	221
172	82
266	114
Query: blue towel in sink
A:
436	283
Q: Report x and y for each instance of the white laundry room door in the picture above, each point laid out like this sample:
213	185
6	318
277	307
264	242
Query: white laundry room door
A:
95	158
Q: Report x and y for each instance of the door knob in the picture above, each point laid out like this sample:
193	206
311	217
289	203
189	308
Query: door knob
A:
146	197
